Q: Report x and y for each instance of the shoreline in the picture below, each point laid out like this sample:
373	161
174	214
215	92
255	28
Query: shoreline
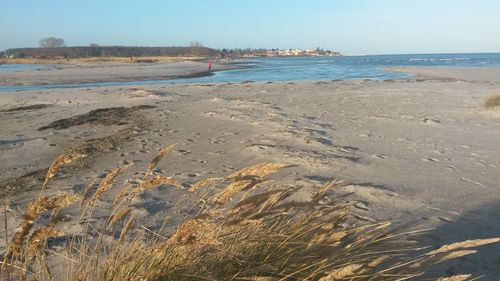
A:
107	74
90	73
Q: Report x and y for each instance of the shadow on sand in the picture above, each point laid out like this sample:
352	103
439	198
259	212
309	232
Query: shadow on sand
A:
476	224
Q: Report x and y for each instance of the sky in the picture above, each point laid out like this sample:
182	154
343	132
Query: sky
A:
348	26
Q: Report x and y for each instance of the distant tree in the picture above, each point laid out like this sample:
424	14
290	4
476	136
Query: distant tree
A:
51	42
196	44
94	45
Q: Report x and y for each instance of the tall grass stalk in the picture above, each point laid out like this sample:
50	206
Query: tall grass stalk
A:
242	228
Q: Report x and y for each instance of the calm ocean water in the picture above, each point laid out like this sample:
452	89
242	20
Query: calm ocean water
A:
302	68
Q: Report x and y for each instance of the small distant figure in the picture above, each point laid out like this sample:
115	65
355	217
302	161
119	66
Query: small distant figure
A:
209	65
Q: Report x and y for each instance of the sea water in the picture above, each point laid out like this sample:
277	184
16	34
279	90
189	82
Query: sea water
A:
346	67
300	68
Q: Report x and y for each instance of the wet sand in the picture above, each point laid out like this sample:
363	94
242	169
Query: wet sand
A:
421	150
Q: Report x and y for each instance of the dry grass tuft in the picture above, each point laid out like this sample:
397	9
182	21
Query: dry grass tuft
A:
106	183
164	151
158	180
464	277
122	213
147	185
33	211
233	188
126	227
62	160
258	171
458	254
246	179
204	182
245	229
492	102
343	272
86	192
39	237
464	245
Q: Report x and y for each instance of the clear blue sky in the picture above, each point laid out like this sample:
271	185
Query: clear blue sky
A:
349	26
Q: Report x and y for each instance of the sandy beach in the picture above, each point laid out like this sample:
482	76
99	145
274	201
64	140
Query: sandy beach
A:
421	150
109	72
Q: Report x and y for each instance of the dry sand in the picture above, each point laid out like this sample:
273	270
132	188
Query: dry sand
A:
421	150
109	72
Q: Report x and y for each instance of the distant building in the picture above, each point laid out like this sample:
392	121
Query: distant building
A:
277	53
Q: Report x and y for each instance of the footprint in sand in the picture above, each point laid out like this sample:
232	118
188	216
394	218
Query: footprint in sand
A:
429	159
429	121
346	149
362	206
187	176
439	152
217	141
184	152
446	219
471	181
231	134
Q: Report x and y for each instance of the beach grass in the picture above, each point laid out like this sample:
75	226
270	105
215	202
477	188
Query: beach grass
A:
240	227
492	101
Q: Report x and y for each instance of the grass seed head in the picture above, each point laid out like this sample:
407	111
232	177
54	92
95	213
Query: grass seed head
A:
233	188
464	245
258	171
61	161
463	277
106	183
204	182
343	272
164	151
126	227
153	182
120	214
38	237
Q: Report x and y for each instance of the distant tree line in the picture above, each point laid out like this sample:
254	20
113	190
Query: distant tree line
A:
95	50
